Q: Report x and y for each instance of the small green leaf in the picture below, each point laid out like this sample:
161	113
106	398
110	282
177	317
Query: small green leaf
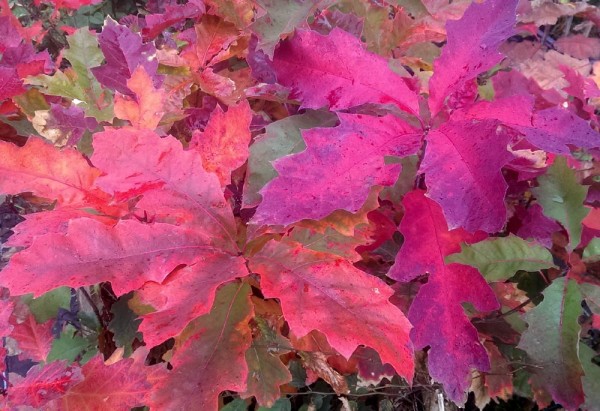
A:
498	259
552	342
124	324
71	347
46	306
561	198
236	405
591	380
282	404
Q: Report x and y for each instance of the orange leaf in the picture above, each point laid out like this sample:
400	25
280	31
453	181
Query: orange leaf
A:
146	110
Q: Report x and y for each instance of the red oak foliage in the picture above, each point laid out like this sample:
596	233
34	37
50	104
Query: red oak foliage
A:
255	188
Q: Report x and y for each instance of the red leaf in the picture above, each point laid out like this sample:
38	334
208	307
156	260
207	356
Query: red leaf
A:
91	252
176	299
436	312
209	356
47	172
320	291
224	143
44	384
472	47
33	339
337	169
175	186
462	167
156	23
6	309
120	386
336	71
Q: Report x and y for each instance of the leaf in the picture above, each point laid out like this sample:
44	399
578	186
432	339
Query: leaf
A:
238	12
436	312
10	85
175	186
173	14
223	145
77	82
498	259
266	372
6	310
44	384
38	167
63	126
46	306
281	138
92	252
579	46
34	340
145	109
335	71
124	324
320	291
280	20
591	379
472	48
71	347
462	167
552	341
176	299
282	404
121	385
209	345
301	191
124	53
561	198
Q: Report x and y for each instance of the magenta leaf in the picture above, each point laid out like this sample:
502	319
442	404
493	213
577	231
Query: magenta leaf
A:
436	312
337	169
472	47
336	71
124	52
462	167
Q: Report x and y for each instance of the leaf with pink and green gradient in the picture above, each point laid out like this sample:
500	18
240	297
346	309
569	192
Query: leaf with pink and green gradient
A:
336	71
176	299
337	169
472	48
209	356
437	313
462	167
320	291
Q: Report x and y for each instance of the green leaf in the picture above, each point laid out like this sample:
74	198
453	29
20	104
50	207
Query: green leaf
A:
592	251
591	380
280	20
46	306
498	259
552	342
71	347
561	198
77	82
282	404
266	372
236	405
124	324
281	138
591	294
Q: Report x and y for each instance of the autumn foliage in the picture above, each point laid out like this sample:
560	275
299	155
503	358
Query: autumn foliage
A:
230	204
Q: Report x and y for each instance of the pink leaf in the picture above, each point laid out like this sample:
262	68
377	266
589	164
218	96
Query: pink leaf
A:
337	169
33	339
579	46
336	71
